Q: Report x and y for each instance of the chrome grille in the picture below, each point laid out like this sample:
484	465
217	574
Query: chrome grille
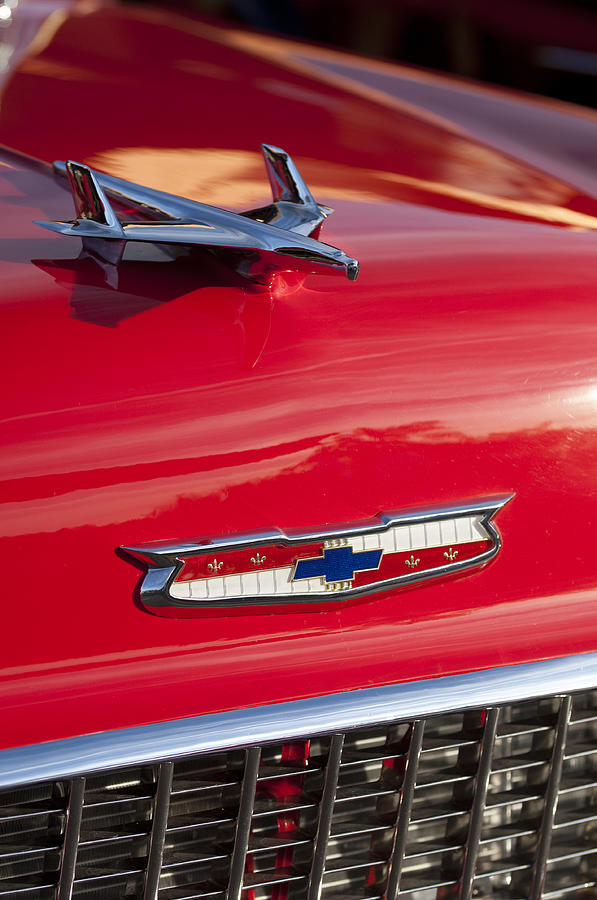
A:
498	803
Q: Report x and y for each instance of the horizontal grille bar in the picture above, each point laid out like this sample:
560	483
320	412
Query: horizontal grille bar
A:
285	721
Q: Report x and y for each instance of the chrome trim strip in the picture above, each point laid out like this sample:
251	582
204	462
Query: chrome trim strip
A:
159	824
326	815
72	832
551	800
477	813
405	811
243	823
294	719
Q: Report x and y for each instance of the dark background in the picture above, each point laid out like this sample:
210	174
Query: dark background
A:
543	46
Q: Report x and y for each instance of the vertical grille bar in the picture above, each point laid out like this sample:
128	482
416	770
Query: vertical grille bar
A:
404	811
71	838
158	830
476	821
326	811
551	799
243	824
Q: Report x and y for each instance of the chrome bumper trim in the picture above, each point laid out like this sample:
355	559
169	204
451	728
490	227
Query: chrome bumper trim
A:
286	721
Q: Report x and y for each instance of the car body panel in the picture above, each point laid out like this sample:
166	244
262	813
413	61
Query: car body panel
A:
192	403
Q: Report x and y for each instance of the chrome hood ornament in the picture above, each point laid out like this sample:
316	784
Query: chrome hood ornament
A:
280	230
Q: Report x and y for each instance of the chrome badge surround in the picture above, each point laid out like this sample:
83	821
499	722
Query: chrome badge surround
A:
324	574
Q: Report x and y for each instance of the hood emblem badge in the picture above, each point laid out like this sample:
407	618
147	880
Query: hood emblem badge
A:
274	236
252	570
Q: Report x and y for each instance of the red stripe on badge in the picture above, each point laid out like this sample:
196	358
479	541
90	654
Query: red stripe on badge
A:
271	556
394	565
251	559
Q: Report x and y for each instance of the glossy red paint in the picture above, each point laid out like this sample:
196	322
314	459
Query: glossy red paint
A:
462	363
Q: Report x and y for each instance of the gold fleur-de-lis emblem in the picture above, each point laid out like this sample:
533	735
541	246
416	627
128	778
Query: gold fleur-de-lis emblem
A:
412	562
451	555
215	566
257	560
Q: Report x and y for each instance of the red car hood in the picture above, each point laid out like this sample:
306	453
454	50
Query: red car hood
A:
187	403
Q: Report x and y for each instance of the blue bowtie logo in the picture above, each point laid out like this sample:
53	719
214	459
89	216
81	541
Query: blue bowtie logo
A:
339	564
